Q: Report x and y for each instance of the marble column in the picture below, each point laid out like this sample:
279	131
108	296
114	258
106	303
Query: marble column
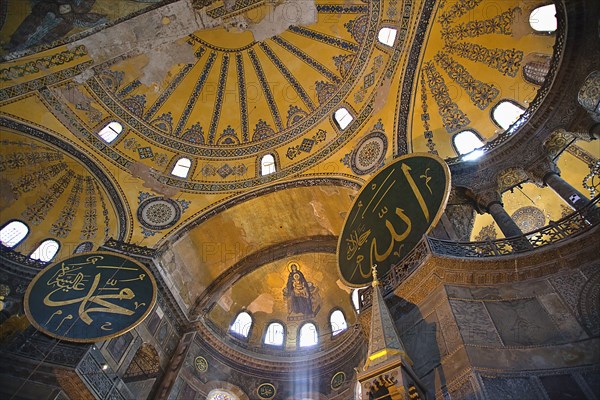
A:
491	201
546	173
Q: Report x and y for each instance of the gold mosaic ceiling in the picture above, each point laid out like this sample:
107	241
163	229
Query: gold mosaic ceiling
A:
224	99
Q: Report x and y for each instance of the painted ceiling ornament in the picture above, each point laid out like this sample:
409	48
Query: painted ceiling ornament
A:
302	296
390	215
529	218
370	151
90	297
158	213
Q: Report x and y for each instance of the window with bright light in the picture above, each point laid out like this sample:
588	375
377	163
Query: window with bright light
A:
267	164
111	131
218	394
356	299
275	334
543	19
387	36
83	247
343	118
242	324
466	142
358	391
506	113
13	233
182	167
46	250
308	335
337	322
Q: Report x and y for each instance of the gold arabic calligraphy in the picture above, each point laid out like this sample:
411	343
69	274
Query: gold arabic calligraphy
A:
70	277
378	251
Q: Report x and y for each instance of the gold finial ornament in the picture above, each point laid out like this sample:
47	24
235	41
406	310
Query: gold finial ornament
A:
375	280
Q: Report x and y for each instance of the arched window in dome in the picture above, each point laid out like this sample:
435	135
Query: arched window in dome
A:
13	233
308	335
466	142
387	36
242	324
182	167
506	113
275	334
46	250
337	322
219	394
83	247
543	19
356	299
110	132
267	165
342	117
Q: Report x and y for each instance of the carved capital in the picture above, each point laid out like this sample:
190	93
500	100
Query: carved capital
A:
538	171
485	198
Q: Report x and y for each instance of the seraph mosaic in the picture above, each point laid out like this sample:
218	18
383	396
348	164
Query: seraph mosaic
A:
29	23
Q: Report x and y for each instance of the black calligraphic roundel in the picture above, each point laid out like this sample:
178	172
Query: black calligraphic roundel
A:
90	297
390	215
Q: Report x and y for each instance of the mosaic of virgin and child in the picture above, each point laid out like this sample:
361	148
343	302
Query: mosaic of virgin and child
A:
302	296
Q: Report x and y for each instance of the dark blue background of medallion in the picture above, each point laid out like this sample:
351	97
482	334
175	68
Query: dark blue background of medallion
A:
75	329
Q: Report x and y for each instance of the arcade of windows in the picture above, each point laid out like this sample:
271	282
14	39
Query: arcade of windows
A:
308	334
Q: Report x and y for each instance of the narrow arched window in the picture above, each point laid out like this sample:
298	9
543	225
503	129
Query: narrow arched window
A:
387	36
110	132
275	334
342	117
356	299
267	164
13	233
466	142
182	167
83	247
543	19
358	391
337	322
242	324
506	113
46	250
308	335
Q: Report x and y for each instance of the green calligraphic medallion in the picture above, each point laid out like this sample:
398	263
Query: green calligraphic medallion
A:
266	391
390	215
338	380
90	297
201	364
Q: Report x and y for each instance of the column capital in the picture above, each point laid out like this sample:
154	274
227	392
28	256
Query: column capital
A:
538	171
484	198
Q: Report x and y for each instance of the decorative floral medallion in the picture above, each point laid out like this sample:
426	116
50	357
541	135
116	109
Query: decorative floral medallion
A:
158	213
529	218
369	153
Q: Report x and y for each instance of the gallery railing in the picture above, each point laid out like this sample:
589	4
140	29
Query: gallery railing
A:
573	225
570	226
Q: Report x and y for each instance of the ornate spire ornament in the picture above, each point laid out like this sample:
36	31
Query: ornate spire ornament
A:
387	370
